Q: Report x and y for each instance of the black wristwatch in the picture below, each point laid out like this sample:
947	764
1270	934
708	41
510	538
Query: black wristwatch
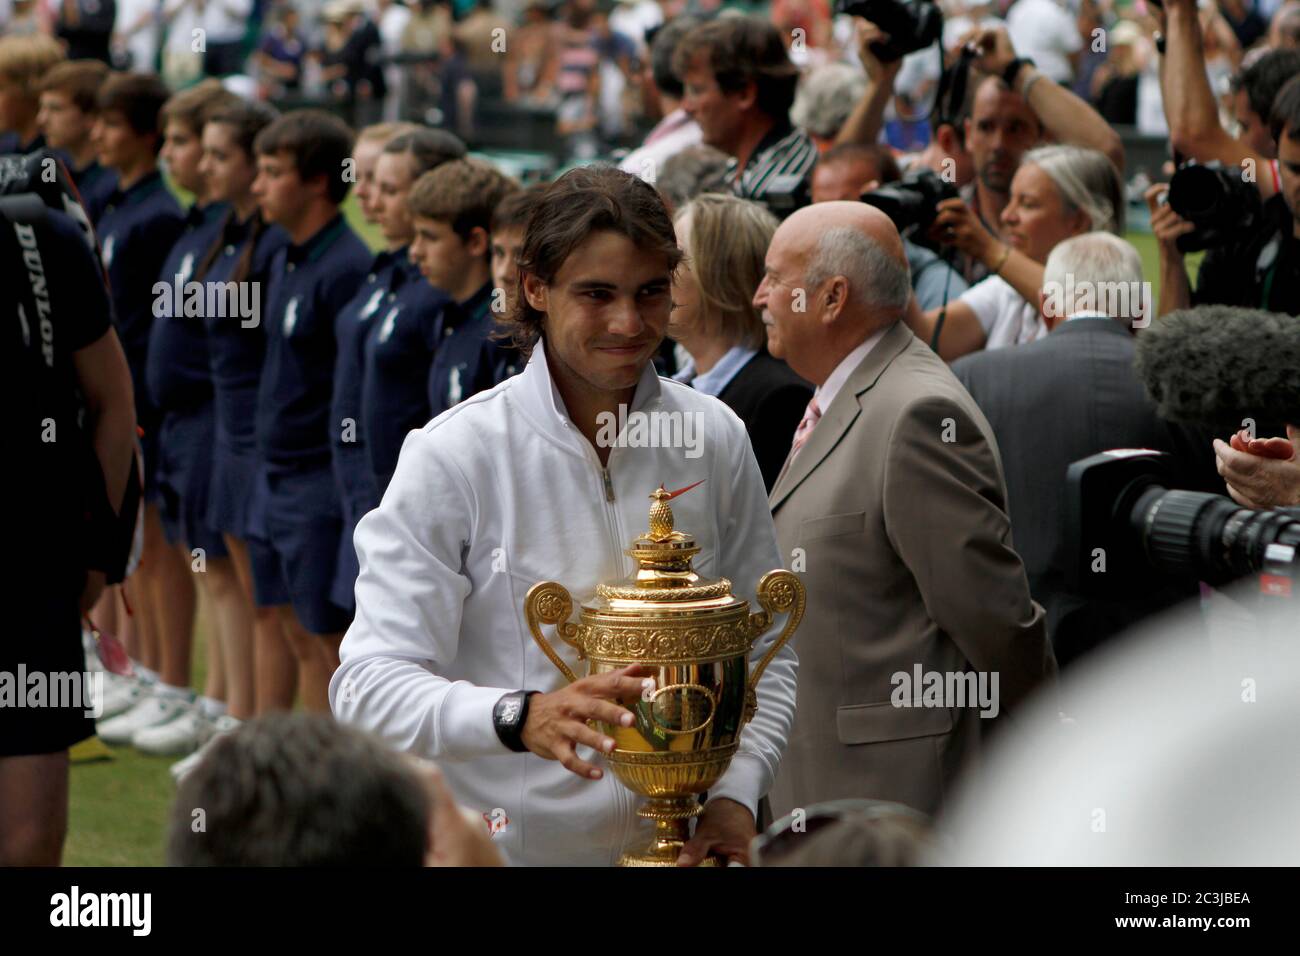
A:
508	717
1160	42
1013	68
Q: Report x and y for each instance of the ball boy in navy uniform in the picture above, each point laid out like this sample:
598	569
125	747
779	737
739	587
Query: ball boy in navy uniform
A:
66	118
301	164
400	347
451	208
136	231
23	61
391	288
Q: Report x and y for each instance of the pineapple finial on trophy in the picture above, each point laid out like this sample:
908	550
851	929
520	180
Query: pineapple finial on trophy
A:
661	516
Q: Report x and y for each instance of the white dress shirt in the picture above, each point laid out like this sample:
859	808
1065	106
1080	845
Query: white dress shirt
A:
827	390
719	377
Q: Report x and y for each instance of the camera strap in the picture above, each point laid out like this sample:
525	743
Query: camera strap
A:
1266	266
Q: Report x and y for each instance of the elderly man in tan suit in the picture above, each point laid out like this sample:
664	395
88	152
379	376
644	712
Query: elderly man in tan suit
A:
920	631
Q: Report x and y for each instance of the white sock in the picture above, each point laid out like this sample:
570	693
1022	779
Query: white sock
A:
211	708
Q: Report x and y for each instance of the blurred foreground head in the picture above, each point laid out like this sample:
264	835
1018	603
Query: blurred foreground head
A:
299	790
1179	751
856	832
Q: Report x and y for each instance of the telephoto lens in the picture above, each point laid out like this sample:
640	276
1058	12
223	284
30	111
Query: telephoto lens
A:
1207	536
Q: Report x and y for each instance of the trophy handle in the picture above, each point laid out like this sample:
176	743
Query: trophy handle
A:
550	603
778	591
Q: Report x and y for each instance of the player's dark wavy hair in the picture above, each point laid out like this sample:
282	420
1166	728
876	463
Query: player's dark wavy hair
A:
580	203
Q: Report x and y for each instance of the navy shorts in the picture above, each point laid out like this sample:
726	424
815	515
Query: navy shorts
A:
185	480
297	516
358	495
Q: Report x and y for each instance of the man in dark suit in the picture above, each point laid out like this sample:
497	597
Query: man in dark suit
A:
891	509
1065	397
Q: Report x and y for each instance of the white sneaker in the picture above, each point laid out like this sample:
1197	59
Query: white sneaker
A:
151	710
222	725
183	735
120	694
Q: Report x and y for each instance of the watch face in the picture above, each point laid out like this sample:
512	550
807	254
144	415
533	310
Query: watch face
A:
510	707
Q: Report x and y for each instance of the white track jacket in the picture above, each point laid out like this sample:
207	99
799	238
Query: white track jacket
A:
488	499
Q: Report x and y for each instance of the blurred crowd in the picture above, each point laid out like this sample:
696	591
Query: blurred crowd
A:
588	63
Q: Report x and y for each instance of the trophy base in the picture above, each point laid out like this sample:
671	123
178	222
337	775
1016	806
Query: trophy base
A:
656	858
672	817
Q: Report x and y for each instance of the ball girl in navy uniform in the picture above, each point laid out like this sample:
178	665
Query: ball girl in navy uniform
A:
451	208
399	349
301	162
388	280
180	385
136	231
240	259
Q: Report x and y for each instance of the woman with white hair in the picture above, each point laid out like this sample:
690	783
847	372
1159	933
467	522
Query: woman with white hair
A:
1058	192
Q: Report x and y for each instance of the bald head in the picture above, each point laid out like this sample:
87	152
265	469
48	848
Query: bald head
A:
834	274
809	224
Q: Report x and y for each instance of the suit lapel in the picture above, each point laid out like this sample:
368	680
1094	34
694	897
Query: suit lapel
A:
837	419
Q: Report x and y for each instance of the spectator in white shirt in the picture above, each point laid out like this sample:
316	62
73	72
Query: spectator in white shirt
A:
1045	32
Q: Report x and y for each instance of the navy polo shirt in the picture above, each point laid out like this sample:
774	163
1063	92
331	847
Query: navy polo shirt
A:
236	352
350	327
399	353
11	142
96	184
310	285
468	359
177	365
348	433
136	234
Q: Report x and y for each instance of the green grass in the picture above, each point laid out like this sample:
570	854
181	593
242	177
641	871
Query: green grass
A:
118	807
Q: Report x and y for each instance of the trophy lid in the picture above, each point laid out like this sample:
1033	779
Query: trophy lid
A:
664	581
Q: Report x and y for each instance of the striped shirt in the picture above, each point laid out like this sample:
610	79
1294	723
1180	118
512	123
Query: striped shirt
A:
779	173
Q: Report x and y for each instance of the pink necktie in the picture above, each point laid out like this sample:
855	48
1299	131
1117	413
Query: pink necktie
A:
812	414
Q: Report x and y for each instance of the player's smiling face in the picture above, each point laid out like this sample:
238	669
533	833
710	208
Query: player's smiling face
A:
605	312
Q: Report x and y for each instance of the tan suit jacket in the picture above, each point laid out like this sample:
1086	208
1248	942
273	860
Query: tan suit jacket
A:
894	513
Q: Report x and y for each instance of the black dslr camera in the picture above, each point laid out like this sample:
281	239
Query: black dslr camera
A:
911	24
1217	201
912	202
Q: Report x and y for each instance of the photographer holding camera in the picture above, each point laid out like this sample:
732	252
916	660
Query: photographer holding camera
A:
1012	112
1058	192
1254	248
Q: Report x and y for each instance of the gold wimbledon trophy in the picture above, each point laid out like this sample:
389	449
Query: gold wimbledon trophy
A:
693	636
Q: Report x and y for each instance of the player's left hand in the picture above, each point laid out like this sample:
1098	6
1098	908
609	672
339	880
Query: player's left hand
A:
724	829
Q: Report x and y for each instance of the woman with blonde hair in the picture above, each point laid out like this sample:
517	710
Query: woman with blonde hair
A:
724	240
